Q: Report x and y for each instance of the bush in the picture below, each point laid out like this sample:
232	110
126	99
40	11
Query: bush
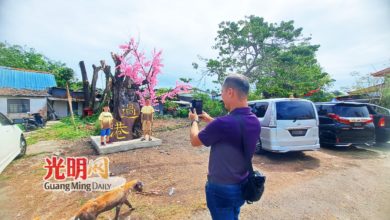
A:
254	96
385	97
170	106
183	113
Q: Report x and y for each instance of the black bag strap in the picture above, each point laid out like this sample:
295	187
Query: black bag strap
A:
248	158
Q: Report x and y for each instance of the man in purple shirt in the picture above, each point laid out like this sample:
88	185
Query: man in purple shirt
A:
227	163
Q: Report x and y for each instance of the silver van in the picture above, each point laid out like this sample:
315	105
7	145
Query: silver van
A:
287	124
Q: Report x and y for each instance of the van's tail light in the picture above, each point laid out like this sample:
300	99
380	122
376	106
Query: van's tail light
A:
339	119
370	120
347	121
381	122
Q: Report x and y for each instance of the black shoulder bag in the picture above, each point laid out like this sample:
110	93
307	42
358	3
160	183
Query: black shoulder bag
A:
253	188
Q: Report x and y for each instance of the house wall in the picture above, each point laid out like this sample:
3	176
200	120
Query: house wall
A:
61	108
36	104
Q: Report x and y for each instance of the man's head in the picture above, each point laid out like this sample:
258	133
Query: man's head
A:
106	108
235	90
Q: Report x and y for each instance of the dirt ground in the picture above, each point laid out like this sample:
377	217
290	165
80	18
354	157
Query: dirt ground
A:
351	183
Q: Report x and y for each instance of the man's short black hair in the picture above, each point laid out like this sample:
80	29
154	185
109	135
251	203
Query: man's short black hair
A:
238	82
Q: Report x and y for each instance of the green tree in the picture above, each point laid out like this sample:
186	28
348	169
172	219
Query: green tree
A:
16	56
322	96
275	57
296	73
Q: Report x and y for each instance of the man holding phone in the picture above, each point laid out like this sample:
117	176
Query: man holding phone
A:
227	163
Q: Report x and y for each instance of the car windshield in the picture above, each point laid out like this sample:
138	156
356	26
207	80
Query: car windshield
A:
294	110
351	111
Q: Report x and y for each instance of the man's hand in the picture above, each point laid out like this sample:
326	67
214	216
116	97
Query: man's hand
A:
193	116
194	130
206	117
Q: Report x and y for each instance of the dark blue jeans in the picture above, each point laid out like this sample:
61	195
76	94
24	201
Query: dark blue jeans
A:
224	201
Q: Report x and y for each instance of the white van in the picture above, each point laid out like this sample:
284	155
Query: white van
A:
287	124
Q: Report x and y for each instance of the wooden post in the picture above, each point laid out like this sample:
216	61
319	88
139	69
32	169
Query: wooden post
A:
70	105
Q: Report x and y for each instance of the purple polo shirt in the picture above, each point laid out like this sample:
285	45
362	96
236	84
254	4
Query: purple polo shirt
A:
227	164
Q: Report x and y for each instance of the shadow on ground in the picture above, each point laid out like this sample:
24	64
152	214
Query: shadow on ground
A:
288	162
357	152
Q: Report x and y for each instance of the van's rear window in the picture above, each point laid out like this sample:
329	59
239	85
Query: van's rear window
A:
294	110
351	111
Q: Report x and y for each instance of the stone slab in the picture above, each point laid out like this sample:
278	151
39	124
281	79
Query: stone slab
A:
123	145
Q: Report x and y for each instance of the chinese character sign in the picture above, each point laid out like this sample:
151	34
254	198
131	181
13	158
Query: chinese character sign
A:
123	130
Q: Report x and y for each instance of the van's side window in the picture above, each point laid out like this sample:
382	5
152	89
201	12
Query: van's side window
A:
259	108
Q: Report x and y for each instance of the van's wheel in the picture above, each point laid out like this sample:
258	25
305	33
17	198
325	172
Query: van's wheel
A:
23	147
259	147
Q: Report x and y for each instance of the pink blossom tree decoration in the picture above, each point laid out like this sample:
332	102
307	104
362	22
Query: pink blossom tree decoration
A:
143	73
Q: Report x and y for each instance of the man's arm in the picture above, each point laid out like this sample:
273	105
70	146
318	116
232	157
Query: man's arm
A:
195	141
194	131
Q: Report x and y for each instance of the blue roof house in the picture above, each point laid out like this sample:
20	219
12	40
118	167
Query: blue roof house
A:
23	91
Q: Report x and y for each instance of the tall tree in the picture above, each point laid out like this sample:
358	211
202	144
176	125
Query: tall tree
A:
263	51
296	72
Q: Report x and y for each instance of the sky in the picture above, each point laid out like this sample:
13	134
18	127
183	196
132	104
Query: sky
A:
354	34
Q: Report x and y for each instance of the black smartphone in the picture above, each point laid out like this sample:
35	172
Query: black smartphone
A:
198	106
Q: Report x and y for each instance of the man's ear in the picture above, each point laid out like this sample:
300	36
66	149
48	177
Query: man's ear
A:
229	92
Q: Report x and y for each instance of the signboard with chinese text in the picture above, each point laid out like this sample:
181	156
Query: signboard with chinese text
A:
123	130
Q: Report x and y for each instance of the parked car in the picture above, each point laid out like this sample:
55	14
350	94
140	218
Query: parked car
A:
287	124
345	124
381	117
12	142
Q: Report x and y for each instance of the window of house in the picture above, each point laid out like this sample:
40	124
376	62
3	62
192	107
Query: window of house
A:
18	105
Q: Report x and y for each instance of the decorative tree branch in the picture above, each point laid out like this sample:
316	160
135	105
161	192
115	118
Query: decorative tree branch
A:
143	72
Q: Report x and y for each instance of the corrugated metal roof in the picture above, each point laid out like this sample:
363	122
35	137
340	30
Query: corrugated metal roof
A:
25	79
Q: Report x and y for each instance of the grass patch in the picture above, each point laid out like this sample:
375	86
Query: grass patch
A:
171	128
26	156
65	130
4	177
39	171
